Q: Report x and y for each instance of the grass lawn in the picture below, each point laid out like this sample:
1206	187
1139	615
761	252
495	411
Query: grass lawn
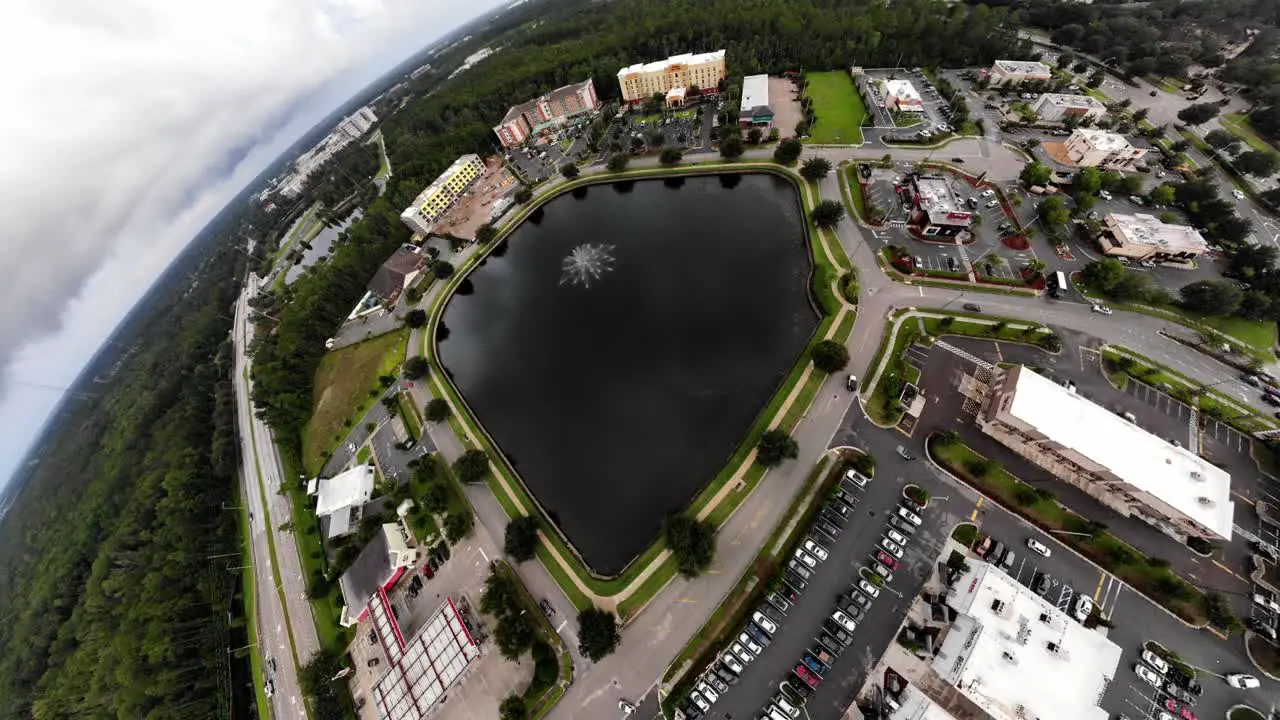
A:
854	199
838	107
1239	125
1248	713
1039	506
343	383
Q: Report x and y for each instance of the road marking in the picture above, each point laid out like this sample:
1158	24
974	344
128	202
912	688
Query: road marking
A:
974	515
1216	632
1101	577
1224	567
561	626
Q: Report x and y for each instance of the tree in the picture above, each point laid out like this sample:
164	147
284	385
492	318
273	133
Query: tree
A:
1222	140
828	213
437	410
436	497
1255	305
1215	297
512	708
458	526
1103	275
1161	196
802	128
569	170
471	466
521	538
829	356
731	149
500	596
442	269
1133	287
1088	181
692	541
415	318
617	162
597	633
523	195
670	156
755	135
1035	174
486	233
1053	211
775	446
514	635
1140	114
1257	163
815	168
1198	114
787	151
416	367
316	681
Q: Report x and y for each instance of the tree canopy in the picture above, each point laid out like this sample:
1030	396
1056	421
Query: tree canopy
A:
471	466
775	446
829	356
828	213
521	538
692	541
1215	297
597	633
815	168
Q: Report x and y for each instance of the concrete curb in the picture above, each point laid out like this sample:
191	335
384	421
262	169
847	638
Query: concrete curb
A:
1068	548
1248	634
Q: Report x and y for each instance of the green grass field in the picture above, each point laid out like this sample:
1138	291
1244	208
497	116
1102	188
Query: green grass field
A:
1239	125
838	106
343	383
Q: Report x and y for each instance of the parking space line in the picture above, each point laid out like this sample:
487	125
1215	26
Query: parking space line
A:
1102	576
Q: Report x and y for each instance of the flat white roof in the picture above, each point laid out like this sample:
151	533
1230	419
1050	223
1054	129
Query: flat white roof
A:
902	90
1024	67
1144	229
1103	140
755	92
684	59
346	489
1177	476
1072	101
1012	649
421	670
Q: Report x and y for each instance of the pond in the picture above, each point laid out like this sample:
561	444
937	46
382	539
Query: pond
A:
320	246
621	342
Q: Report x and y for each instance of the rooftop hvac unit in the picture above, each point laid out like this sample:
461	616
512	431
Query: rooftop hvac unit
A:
1009	658
1207	502
1195	475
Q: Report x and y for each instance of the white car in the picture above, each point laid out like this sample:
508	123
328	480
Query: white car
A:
844	621
764	622
1084	606
700	701
785	707
993	203
1148	675
891	547
1038	546
750	644
707	692
868	588
882	571
1104	194
1163	715
856	478
815	549
732	663
895	536
1237	194
806	558
1266	602
1102	309
742	653
1242	681
909	516
1155	661
988	193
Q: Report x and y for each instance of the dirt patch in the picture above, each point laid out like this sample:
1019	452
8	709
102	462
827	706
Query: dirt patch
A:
785	102
1015	242
476	205
1057	151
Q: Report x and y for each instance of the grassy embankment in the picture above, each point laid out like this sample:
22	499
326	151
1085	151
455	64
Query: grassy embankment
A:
838	107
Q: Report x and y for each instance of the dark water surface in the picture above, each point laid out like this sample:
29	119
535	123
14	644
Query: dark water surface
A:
619	401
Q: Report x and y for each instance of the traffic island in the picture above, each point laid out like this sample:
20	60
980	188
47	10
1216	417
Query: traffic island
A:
1264	655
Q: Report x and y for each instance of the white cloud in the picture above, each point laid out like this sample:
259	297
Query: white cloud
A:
120	120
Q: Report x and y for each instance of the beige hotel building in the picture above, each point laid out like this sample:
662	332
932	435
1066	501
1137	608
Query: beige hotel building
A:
640	81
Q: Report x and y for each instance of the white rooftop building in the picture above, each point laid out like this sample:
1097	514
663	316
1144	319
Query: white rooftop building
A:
1088	147
1125	467
1141	236
340	497
902	96
1057	107
1017	656
1006	71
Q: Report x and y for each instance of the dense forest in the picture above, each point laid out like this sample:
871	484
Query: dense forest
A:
552	44
111	605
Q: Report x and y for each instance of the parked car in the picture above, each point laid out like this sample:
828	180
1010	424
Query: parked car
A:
778	601
902	526
895	536
815	549
992	203
1148	676
1155	661
806	558
793	579
1039	547
1267	602
988	193
749	643
731	662
742	653
913	506
858	599
765	623
891	547
785	707
1041	583
707	691
760	636
844	621
807	675
882	571
1006	561
1179	693
887	560
856	478
868	589
700	701
909	516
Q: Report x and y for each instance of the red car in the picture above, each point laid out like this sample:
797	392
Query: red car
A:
887	560
1183	711
808	676
1187	714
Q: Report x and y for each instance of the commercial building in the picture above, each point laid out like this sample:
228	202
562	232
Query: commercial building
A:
755	110
340	499
548	112
422	669
936	211
1146	237
1016	655
642	81
902	96
1056	107
396	274
1016	71
1088	147
357	123
1123	466
421	216
387	557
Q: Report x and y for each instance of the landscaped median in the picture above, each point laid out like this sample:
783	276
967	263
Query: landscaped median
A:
1149	576
630	590
891	371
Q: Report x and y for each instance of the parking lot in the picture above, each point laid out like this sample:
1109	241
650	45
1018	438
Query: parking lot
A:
934	106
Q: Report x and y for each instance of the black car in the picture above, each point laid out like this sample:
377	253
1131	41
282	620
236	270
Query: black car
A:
1184	681
1177	693
725	674
839	509
830	529
834	518
902	526
796	582
1041	583
972	307
830	643
854	611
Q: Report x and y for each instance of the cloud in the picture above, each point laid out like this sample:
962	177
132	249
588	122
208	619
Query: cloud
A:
128	125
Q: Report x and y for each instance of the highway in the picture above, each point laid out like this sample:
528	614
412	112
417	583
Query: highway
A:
260	475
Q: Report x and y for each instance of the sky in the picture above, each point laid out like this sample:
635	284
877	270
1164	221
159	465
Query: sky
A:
128	125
